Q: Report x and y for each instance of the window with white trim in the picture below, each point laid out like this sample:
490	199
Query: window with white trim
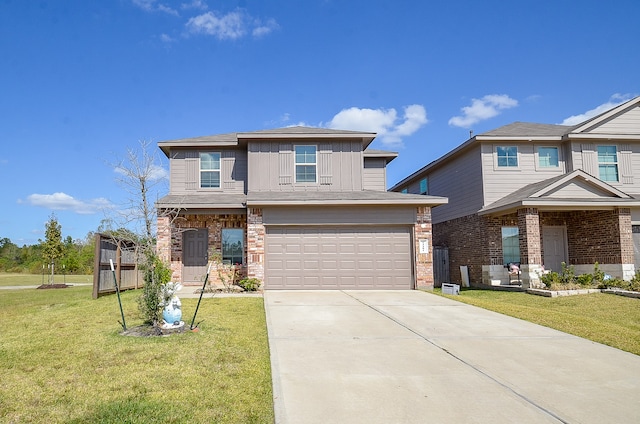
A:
507	156
306	165
209	170
548	157
608	163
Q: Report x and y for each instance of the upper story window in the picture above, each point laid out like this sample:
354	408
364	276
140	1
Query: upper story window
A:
548	157
424	186
507	156
404	190
306	165
209	170
608	163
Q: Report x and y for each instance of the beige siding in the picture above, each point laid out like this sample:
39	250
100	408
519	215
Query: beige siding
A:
626	123
461	181
374	174
502	181
339	215
271	166
585	157
185	170
578	189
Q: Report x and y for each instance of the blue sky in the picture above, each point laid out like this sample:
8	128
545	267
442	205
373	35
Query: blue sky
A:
83	81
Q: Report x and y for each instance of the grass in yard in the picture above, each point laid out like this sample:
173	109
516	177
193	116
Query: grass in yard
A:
63	360
604	318
15	279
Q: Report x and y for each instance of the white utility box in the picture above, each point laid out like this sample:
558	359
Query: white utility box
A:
450	288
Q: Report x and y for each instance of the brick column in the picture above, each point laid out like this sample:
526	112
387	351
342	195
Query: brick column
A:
530	246
163	241
255	244
422	230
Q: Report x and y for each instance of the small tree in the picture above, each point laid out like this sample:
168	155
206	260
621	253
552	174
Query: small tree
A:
139	174
53	247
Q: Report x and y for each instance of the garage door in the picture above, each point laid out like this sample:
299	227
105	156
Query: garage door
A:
338	258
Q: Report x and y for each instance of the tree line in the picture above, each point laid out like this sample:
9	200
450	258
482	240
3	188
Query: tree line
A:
68	255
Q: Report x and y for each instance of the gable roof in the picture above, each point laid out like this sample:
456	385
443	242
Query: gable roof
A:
287	133
576	189
593	128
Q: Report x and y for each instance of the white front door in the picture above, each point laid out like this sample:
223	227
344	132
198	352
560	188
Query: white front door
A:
554	245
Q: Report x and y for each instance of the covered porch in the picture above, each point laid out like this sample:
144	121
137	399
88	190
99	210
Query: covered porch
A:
577	220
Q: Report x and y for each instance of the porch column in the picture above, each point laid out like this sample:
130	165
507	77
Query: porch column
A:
255	244
530	246
423	239
626	243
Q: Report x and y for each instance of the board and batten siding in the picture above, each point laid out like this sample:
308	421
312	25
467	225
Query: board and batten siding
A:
461	181
374	176
185	171
502	181
585	157
271	166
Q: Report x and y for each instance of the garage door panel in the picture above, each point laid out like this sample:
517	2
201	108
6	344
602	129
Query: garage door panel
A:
338	258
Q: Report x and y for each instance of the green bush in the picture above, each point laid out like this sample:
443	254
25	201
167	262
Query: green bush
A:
156	274
249	284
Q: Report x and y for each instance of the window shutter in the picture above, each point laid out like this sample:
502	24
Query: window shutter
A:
192	169
589	160
286	164
228	160
325	170
624	159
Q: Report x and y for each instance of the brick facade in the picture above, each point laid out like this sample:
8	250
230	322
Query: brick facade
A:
170	239
603	236
424	261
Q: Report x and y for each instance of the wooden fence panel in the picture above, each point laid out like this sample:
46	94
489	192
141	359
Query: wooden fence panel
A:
440	265
124	255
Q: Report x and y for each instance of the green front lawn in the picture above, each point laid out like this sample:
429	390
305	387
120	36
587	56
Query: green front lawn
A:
604	318
63	360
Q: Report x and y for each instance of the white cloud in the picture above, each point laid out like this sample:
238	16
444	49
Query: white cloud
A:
231	26
195	4
482	109
154	6
62	201
614	101
262	29
384	122
165	38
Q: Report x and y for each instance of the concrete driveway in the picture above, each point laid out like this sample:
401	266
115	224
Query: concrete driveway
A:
414	357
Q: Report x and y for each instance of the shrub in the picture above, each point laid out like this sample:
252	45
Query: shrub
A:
156	274
249	284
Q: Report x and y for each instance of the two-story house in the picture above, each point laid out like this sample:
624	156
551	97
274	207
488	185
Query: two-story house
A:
539	195
298	208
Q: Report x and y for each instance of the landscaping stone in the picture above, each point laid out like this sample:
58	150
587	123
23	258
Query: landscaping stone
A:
557	293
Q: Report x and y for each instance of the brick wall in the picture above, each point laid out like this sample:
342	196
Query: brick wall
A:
424	261
255	244
600	236
169	241
465	239
530	242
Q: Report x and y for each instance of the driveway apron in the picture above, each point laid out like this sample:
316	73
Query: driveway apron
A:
414	357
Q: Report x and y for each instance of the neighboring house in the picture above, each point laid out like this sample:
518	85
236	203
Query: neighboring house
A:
298	208
539	195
